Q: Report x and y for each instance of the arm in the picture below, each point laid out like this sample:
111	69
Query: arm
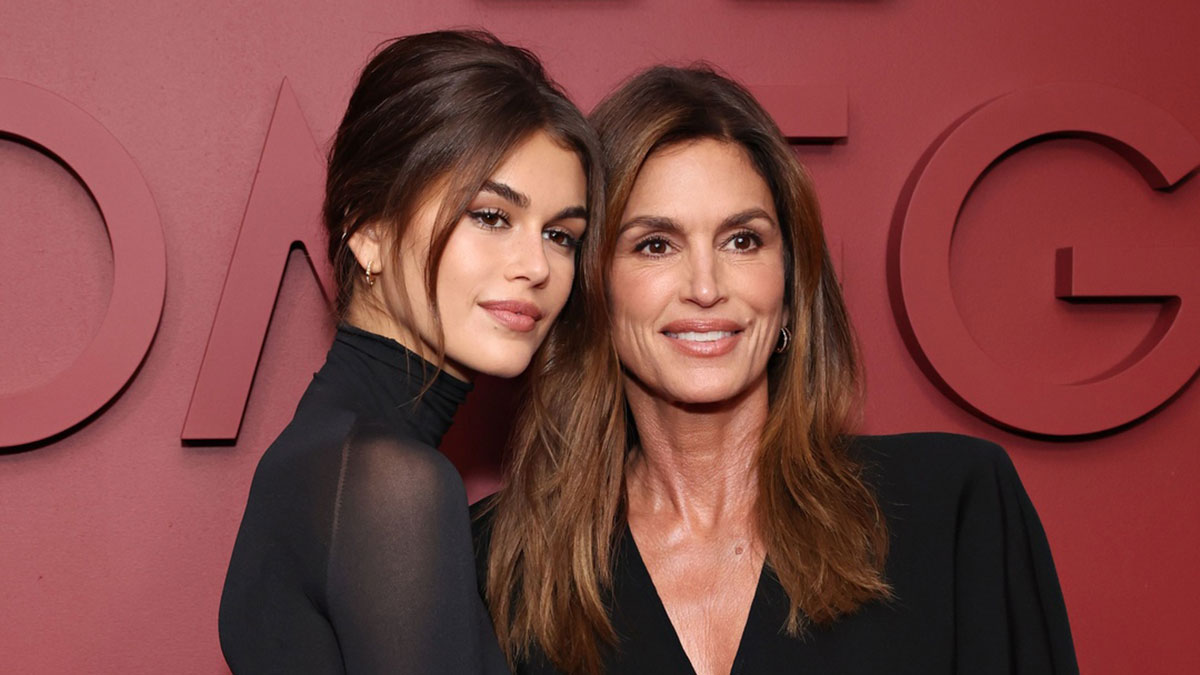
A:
1011	617
401	587
272	617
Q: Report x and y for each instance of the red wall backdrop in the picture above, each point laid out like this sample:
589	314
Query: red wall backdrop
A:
114	537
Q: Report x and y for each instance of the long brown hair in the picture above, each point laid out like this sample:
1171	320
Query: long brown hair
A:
555	523
438	110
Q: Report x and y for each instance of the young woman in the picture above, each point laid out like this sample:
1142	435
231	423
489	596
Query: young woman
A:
460	184
698	502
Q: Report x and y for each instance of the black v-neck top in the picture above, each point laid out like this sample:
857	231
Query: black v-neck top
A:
975	585
354	554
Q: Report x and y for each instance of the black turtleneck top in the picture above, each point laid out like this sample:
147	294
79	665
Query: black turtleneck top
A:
354	554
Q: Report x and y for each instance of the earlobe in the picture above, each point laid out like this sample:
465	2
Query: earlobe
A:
366	246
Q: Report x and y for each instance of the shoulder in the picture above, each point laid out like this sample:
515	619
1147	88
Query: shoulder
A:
304	455
384	466
339	446
328	468
931	466
936	455
968	552
393	492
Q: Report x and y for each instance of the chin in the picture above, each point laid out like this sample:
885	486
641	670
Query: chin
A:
504	363
701	393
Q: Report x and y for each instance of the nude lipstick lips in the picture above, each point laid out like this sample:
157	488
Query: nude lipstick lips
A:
514	314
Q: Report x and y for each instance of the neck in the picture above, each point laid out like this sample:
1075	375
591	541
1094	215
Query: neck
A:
383	382
378	322
696	463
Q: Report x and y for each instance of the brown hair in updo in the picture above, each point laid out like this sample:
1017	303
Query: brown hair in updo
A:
433	111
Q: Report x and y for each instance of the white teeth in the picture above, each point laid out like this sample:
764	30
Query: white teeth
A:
710	336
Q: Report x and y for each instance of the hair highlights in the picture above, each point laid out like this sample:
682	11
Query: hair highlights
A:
556	521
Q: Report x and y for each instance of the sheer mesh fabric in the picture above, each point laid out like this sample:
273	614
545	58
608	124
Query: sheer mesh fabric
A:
355	554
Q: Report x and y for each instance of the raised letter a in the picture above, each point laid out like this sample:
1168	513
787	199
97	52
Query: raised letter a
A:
283	212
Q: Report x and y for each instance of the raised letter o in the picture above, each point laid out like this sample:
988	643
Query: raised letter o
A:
59	128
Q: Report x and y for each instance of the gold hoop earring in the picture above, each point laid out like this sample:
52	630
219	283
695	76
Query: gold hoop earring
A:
370	280
785	339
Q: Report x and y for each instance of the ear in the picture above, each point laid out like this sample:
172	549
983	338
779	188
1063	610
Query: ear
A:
367	247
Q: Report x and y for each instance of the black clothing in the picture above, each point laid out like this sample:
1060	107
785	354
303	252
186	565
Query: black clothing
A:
975	586
354	554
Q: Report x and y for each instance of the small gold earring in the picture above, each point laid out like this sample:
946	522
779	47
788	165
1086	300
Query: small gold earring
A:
370	280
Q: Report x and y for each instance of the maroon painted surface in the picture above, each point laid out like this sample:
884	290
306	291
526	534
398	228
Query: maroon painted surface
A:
1150	140
812	112
116	535
59	129
284	212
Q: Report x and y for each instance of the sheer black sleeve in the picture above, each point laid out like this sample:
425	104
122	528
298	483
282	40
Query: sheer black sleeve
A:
355	556
401	576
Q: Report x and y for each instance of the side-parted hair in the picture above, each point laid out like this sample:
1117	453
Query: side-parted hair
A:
436	111
556	522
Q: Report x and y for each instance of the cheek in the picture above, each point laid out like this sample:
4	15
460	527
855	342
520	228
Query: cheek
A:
465	263
639	296
562	276
762	286
632	293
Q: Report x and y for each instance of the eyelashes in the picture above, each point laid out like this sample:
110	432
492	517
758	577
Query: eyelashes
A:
654	246
742	241
561	238
490	218
497	219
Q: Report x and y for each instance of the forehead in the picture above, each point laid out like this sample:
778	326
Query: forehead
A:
540	166
698	181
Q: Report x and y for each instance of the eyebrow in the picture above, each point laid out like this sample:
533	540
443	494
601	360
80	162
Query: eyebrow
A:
505	192
571	212
661	223
649	222
521	200
743	217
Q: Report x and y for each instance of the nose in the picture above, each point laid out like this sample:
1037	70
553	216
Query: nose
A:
703	285
527	259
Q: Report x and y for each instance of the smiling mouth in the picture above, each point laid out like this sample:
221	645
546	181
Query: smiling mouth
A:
703	337
707	336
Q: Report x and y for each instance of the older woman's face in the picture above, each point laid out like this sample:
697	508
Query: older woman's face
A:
697	281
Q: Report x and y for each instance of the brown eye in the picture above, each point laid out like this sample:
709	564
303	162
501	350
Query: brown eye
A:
489	219
654	246
743	242
561	238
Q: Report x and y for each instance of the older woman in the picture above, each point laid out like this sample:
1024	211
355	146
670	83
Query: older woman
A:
686	493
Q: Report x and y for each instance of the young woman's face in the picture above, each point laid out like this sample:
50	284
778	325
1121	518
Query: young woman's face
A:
507	268
697	280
